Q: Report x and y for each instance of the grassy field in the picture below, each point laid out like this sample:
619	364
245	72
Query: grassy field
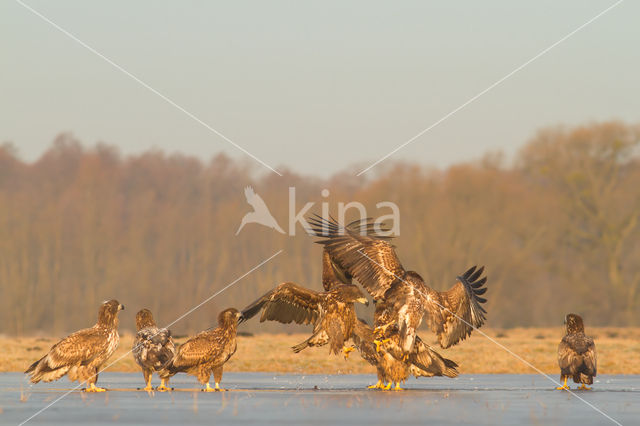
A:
618	353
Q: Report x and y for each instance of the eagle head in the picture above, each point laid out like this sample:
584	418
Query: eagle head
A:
144	318
574	324
229	316
108	312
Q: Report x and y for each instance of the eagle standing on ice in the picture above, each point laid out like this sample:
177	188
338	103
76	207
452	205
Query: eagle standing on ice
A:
152	348
82	354
576	354
206	352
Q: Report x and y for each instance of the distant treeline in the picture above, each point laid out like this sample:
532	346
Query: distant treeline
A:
557	230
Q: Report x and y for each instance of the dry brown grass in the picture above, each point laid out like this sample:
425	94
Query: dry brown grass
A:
618	353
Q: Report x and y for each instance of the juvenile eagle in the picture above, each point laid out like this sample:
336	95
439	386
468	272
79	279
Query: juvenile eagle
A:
332	313
576	354
206	352
422	361
152	347
402	297
82	354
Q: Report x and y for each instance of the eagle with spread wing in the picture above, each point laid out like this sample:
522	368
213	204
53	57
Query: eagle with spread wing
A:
81	354
152	347
402	297
576	354
423	361
332	312
206	352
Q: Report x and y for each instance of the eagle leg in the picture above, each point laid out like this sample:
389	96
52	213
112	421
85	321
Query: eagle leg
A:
94	388
163	386
584	387
378	385
382	329
209	388
565	386
387	386
380	343
147	377
397	388
346	350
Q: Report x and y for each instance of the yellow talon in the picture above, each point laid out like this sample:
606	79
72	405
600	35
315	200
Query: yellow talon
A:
584	387
405	357
379	343
397	388
387	386
94	388
381	329
347	350
163	387
376	386
565	386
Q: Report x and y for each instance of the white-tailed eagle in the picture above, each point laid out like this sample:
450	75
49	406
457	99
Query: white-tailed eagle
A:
81	354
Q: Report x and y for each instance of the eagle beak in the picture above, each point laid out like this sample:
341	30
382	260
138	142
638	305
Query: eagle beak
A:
239	317
121	307
363	300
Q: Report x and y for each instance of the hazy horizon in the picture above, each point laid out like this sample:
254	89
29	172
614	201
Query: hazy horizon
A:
313	88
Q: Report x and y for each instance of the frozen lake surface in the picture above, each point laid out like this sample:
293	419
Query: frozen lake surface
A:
259	398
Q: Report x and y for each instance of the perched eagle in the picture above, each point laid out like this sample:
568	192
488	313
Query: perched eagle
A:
82	354
152	348
422	361
576	354
402	297
206	352
332	313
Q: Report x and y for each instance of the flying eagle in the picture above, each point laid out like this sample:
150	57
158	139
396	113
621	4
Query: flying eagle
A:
82	354
402	297
576	354
332	313
423	361
152	347
206	352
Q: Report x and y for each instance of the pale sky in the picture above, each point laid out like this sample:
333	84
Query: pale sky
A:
313	87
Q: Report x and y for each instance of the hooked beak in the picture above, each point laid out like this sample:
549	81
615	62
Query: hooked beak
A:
121	307
363	300
239	317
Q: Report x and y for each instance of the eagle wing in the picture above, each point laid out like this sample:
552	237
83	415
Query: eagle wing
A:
81	347
286	303
429	362
575	350
198	349
332	274
359	251
453	314
153	347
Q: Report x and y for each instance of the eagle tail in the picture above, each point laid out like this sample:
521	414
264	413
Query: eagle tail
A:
40	371
33	366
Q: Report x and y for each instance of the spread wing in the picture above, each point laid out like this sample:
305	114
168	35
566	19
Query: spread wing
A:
453	314
358	250
286	303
